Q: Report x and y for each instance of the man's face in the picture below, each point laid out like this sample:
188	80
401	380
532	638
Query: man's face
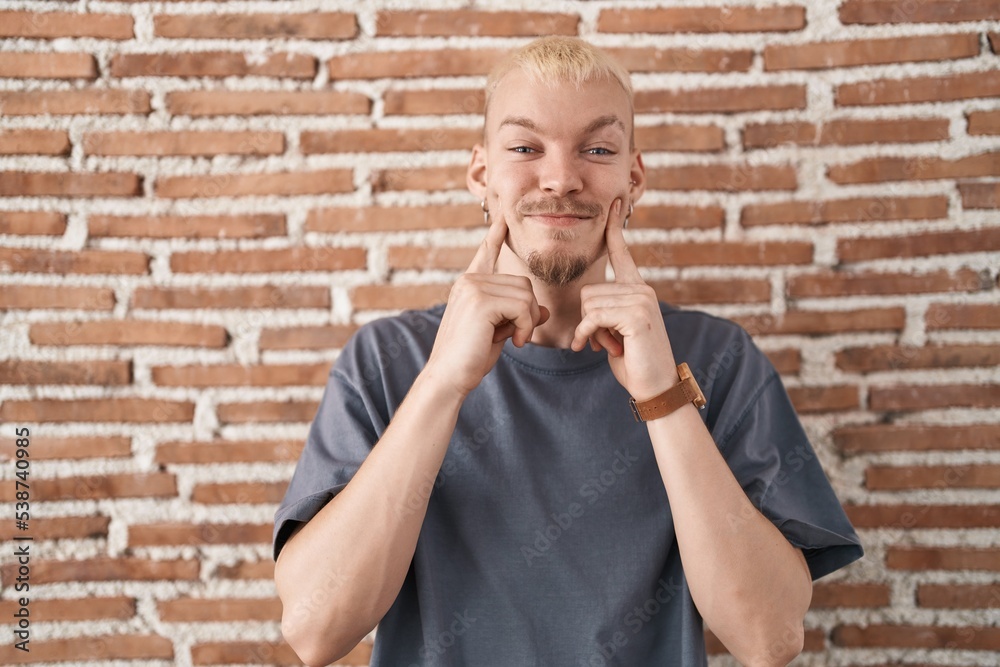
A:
556	158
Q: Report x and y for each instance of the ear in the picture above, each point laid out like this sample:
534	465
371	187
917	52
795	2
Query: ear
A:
637	174
475	175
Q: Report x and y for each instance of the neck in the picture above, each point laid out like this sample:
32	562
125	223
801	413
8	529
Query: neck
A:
563	302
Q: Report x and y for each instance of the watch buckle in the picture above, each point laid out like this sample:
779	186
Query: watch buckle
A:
635	410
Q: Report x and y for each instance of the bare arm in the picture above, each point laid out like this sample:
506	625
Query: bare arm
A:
749	583
338	574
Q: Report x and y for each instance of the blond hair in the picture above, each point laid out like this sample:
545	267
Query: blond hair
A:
558	58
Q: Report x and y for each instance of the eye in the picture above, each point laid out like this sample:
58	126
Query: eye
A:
522	149
600	151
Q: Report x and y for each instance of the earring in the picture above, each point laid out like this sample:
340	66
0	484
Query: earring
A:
630	209
486	213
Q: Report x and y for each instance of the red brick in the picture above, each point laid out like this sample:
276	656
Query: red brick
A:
834	595
855	53
128	333
912	515
702	19
710	290
269	261
60	528
267	412
32	223
472	23
980	195
162	534
75	609
414	63
394	297
895	357
926	11
787	361
188	143
207	610
721	100
942	558
959	596
920	89
328	181
919	245
69	184
127	485
722	177
896	478
861	209
53	25
819	322
30	260
266	102
419	178
74	102
651	138
928	397
846	132
96	371
56	65
262	296
330	337
994	39
33	297
393	218
869	282
235	375
915	437
223	451
182	226
34	142
983	122
434	102
105	648
389	140
759	253
658	59
963	316
286	25
882	169
677	217
263	569
413	257
824	399
240	493
47	449
127	410
264	653
954	638
122	568
213	64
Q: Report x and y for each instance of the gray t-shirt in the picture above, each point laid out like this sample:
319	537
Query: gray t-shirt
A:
548	538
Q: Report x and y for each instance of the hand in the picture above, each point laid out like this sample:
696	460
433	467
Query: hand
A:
624	318
484	310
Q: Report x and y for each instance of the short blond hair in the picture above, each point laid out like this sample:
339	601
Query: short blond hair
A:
559	58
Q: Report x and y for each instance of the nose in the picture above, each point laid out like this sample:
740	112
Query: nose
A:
559	175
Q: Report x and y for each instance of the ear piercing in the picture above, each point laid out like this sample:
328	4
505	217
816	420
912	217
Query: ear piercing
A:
630	209
486	213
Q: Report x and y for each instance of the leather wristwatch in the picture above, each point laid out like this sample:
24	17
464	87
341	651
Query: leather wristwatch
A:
686	391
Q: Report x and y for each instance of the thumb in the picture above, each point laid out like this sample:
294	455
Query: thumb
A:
543	315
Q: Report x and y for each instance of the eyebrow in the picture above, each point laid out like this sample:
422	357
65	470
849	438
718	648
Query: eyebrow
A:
595	125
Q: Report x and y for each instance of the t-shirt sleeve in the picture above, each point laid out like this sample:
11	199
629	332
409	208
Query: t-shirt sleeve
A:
765	446
342	434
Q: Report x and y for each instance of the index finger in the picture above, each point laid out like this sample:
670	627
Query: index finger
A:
485	260
614	237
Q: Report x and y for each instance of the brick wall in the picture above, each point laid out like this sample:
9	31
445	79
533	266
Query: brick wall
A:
199	202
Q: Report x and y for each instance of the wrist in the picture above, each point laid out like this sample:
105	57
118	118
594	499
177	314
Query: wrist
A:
436	383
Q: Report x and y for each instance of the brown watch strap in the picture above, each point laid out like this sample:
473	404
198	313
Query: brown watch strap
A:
686	391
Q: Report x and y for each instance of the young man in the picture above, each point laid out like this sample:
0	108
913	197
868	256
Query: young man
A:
517	508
